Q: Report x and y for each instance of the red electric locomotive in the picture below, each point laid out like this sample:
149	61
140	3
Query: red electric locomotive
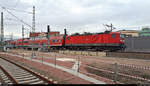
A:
109	41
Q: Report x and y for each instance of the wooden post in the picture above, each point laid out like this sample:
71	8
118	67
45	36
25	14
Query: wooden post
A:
55	60
23	56
48	36
78	64
42	59
115	72
96	53
88	53
106	53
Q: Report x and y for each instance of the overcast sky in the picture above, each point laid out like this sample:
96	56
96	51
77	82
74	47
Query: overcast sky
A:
77	15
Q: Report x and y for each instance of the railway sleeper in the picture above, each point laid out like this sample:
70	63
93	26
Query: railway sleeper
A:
18	77
23	79
1	71
20	71
4	77
24	73
40	82
21	75
7	81
30	81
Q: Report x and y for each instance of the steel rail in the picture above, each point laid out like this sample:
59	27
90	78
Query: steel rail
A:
9	75
30	71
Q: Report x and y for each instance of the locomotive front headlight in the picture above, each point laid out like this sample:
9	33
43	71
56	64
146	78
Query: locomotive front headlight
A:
122	40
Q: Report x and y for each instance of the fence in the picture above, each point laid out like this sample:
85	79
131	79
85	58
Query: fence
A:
121	73
118	73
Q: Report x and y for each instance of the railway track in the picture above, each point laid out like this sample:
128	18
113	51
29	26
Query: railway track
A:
4	78
12	73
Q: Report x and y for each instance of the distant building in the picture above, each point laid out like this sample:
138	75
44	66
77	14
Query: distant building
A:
145	31
43	34
133	33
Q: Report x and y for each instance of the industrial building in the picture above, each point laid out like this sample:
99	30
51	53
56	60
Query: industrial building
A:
129	33
43	34
145	31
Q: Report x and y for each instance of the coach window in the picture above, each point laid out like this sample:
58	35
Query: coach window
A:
113	35
53	41
56	41
59	41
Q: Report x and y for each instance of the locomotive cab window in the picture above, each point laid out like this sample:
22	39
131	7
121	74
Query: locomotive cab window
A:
113	35
25	41
122	36
67	38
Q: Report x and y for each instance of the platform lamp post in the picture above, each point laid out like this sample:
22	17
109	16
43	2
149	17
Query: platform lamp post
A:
2	33
2	29
48	36
23	36
33	32
64	38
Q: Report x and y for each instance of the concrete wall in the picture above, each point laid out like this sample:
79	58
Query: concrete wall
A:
85	53
137	44
129	55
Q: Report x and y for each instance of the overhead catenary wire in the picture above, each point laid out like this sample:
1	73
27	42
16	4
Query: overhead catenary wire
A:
6	8
19	10
17	18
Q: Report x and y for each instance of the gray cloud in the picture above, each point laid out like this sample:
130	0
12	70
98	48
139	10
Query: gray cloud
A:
80	15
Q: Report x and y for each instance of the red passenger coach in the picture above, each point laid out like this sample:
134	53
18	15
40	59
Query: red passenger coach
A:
21	42
56	42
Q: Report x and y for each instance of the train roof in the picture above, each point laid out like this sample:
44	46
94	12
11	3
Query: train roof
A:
87	33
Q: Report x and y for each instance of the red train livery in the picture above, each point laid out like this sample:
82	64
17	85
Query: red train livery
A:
105	41
98	41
